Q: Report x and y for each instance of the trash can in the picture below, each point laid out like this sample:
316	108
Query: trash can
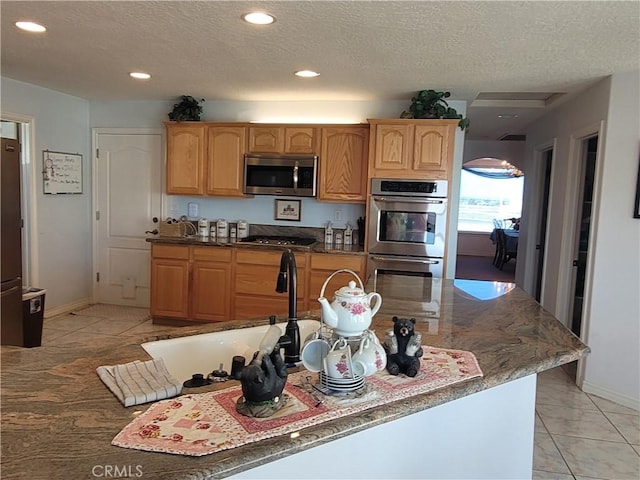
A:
32	315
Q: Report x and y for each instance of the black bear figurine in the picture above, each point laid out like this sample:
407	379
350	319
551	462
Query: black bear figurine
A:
263	382
404	352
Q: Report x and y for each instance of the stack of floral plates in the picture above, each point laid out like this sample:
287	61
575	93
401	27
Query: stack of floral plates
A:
341	384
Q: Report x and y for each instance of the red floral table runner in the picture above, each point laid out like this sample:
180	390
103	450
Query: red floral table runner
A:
204	423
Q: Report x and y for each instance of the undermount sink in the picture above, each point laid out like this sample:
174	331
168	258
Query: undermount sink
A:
204	353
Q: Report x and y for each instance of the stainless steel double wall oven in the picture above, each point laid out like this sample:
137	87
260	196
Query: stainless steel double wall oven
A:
407	236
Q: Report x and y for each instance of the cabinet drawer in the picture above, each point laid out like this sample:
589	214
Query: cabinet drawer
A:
212	254
262	279
336	262
263	257
248	307
170	251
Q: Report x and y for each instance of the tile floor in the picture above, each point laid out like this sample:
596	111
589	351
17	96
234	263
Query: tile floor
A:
577	436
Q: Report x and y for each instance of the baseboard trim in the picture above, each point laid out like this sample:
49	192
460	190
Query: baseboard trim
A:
611	395
62	309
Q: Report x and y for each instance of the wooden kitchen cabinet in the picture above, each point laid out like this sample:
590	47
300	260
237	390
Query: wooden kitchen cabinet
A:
211	284
322	265
283	139
186	147
391	146
256	274
190	283
226	146
300	139
407	148
433	149
343	164
170	281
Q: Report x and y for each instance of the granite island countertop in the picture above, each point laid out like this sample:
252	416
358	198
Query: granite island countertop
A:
58	418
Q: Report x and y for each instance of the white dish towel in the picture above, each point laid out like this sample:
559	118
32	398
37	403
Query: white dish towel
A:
139	382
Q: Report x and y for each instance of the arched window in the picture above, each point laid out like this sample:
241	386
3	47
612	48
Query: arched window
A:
490	188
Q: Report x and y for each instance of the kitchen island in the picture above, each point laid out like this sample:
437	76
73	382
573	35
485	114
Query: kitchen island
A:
58	419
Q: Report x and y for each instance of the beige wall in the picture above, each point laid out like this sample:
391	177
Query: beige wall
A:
611	307
475	244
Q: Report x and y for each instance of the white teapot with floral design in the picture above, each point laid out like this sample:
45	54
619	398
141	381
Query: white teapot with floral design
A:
350	313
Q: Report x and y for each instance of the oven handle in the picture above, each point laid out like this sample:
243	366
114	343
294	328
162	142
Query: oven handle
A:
399	259
408	200
295	176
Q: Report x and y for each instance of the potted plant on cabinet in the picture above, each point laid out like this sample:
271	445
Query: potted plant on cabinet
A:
432	104
188	109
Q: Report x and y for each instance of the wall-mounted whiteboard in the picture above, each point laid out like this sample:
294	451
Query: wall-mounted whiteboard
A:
62	172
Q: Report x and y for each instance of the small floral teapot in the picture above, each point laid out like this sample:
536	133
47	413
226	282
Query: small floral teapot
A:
350	313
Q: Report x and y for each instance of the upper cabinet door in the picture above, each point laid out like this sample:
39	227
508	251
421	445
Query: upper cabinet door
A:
433	149
283	139
266	139
226	146
300	140
185	158
343	164
393	147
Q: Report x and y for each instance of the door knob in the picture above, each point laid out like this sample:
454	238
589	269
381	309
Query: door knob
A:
152	232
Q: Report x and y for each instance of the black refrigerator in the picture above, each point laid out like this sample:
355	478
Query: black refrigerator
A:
12	332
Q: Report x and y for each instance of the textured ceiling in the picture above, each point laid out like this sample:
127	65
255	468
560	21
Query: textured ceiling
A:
375	50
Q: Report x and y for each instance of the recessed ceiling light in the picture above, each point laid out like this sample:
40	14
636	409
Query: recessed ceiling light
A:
306	73
259	18
508	115
140	75
31	27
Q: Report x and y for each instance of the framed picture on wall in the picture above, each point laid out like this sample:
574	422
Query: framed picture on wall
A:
287	209
636	208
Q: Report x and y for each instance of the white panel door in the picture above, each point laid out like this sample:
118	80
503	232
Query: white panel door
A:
128	195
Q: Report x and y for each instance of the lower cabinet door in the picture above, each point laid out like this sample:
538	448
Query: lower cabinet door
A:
170	288
211	292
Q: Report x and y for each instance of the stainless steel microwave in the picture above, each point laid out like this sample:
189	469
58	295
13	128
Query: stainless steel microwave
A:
294	175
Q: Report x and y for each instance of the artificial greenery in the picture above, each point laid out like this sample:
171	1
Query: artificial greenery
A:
188	109
432	104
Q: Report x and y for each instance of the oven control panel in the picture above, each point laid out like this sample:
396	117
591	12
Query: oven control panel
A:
400	187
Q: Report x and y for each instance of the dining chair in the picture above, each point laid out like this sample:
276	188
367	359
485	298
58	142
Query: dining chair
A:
499	236
506	253
498	251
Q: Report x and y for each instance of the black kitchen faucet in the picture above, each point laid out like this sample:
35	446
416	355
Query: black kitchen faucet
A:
288	271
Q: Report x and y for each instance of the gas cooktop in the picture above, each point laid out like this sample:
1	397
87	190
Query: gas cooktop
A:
279	241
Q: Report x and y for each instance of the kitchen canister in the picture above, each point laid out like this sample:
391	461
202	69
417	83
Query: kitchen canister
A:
348	235
243	229
203	227
223	228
